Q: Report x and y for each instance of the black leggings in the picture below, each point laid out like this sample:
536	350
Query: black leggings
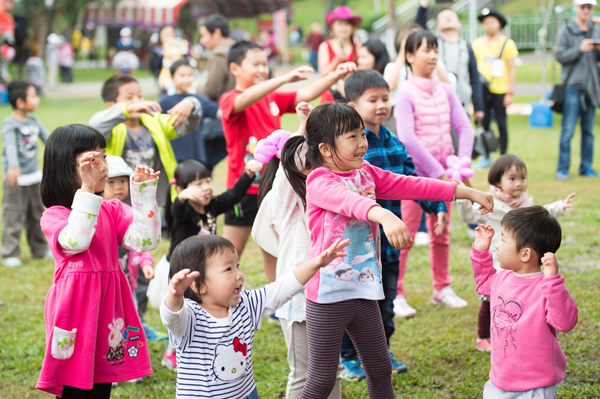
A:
495	102
99	391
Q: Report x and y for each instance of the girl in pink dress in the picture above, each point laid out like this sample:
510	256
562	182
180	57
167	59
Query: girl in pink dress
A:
93	333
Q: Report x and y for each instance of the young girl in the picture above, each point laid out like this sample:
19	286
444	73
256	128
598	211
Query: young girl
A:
211	319
340	200
93	333
508	186
195	211
425	108
373	55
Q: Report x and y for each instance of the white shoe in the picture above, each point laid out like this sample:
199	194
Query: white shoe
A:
402	309
421	238
447	297
48	255
12	262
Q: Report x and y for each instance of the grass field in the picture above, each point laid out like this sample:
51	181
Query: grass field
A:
437	345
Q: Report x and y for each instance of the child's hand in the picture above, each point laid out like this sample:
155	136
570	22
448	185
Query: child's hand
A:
332	252
458	182
136	110
91	166
181	281
303	110
182	110
346	69
143	173
396	232
253	167
485	200
148	271
192	193
442	221
550	265
12	176
567	202
483	240
297	74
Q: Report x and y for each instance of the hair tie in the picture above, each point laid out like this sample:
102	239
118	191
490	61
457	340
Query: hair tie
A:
267	148
173	181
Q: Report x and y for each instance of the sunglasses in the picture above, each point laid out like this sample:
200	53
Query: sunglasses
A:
586	6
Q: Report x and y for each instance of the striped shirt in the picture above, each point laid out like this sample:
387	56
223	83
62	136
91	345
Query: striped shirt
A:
214	356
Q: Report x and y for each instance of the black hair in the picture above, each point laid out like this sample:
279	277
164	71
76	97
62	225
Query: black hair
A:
17	89
185	173
214	21
503	165
110	88
60	180
362	80
378	50
533	227
414	41
266	182
178	64
238	51
192	253
160	30
339	272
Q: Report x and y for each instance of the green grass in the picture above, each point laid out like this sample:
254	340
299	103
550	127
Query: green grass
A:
437	345
87	75
531	72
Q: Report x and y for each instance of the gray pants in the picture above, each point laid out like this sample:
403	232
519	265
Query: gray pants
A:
490	391
22	208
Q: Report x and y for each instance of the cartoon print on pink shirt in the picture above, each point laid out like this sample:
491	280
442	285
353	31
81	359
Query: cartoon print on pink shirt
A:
230	360
505	319
115	337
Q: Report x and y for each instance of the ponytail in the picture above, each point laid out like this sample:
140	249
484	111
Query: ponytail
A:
294	162
266	183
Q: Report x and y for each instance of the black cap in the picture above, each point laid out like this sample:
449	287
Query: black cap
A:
490	12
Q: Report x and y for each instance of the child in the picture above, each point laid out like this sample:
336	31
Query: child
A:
211	319
508	185
192	145
93	334
340	198
368	93
195	210
35	70
251	112
22	204
425	108
528	305
135	130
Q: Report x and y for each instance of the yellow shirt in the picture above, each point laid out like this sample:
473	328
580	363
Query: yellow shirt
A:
486	54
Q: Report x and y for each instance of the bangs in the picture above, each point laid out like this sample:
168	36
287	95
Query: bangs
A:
85	140
343	119
190	170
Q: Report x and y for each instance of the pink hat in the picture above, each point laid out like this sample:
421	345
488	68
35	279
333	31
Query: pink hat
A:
343	13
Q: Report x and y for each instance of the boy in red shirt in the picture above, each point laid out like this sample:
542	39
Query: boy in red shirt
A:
251	112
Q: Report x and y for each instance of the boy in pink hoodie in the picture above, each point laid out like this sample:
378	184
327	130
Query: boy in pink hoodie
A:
528	305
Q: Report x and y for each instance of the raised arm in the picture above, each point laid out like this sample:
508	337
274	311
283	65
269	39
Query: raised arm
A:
105	121
322	85
561	311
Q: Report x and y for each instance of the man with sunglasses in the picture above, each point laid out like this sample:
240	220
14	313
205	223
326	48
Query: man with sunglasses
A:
578	51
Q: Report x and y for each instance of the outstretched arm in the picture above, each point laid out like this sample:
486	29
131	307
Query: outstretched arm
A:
322	85
561	311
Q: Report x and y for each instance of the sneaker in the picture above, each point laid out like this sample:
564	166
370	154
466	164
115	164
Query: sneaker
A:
274	319
352	370
560	175
483	163
48	255
589	172
12	262
152	335
169	359
421	238
115	384
135	380
447	297
402	309
484	344
397	367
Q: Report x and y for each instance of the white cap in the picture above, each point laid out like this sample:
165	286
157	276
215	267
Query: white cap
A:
125	32
117	167
582	2
53	38
154	38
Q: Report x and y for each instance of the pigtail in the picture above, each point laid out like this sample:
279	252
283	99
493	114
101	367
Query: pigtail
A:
168	215
294	163
266	183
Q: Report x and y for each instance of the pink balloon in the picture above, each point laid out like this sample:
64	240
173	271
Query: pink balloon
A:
458	168
267	148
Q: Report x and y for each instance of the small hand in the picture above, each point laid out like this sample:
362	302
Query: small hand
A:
443	177
478	116
361	258
442	221
253	167
303	110
346	69
332	252
485	201
567	202
550	265
90	168
12	176
148	271
181	281
182	110
298	74
508	99
483	240
467	182
587	45
396	232
143	173
136	110
192	193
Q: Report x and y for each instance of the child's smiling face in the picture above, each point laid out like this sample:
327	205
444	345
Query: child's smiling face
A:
349	154
223	282
130	93
373	106
253	69
183	78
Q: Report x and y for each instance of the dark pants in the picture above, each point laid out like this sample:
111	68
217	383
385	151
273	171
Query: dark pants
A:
389	277
66	74
484	320
495	102
99	391
141	294
577	104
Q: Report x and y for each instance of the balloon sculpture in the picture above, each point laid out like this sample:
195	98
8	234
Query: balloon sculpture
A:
458	168
271	146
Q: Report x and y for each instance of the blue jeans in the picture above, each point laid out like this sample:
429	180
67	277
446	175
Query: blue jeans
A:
253	394
314	60
575	102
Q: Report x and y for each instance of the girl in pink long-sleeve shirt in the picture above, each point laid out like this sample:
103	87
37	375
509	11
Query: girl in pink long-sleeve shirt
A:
528	305
340	201
425	110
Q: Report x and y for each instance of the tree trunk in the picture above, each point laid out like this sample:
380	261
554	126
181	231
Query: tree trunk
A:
391	11
41	34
